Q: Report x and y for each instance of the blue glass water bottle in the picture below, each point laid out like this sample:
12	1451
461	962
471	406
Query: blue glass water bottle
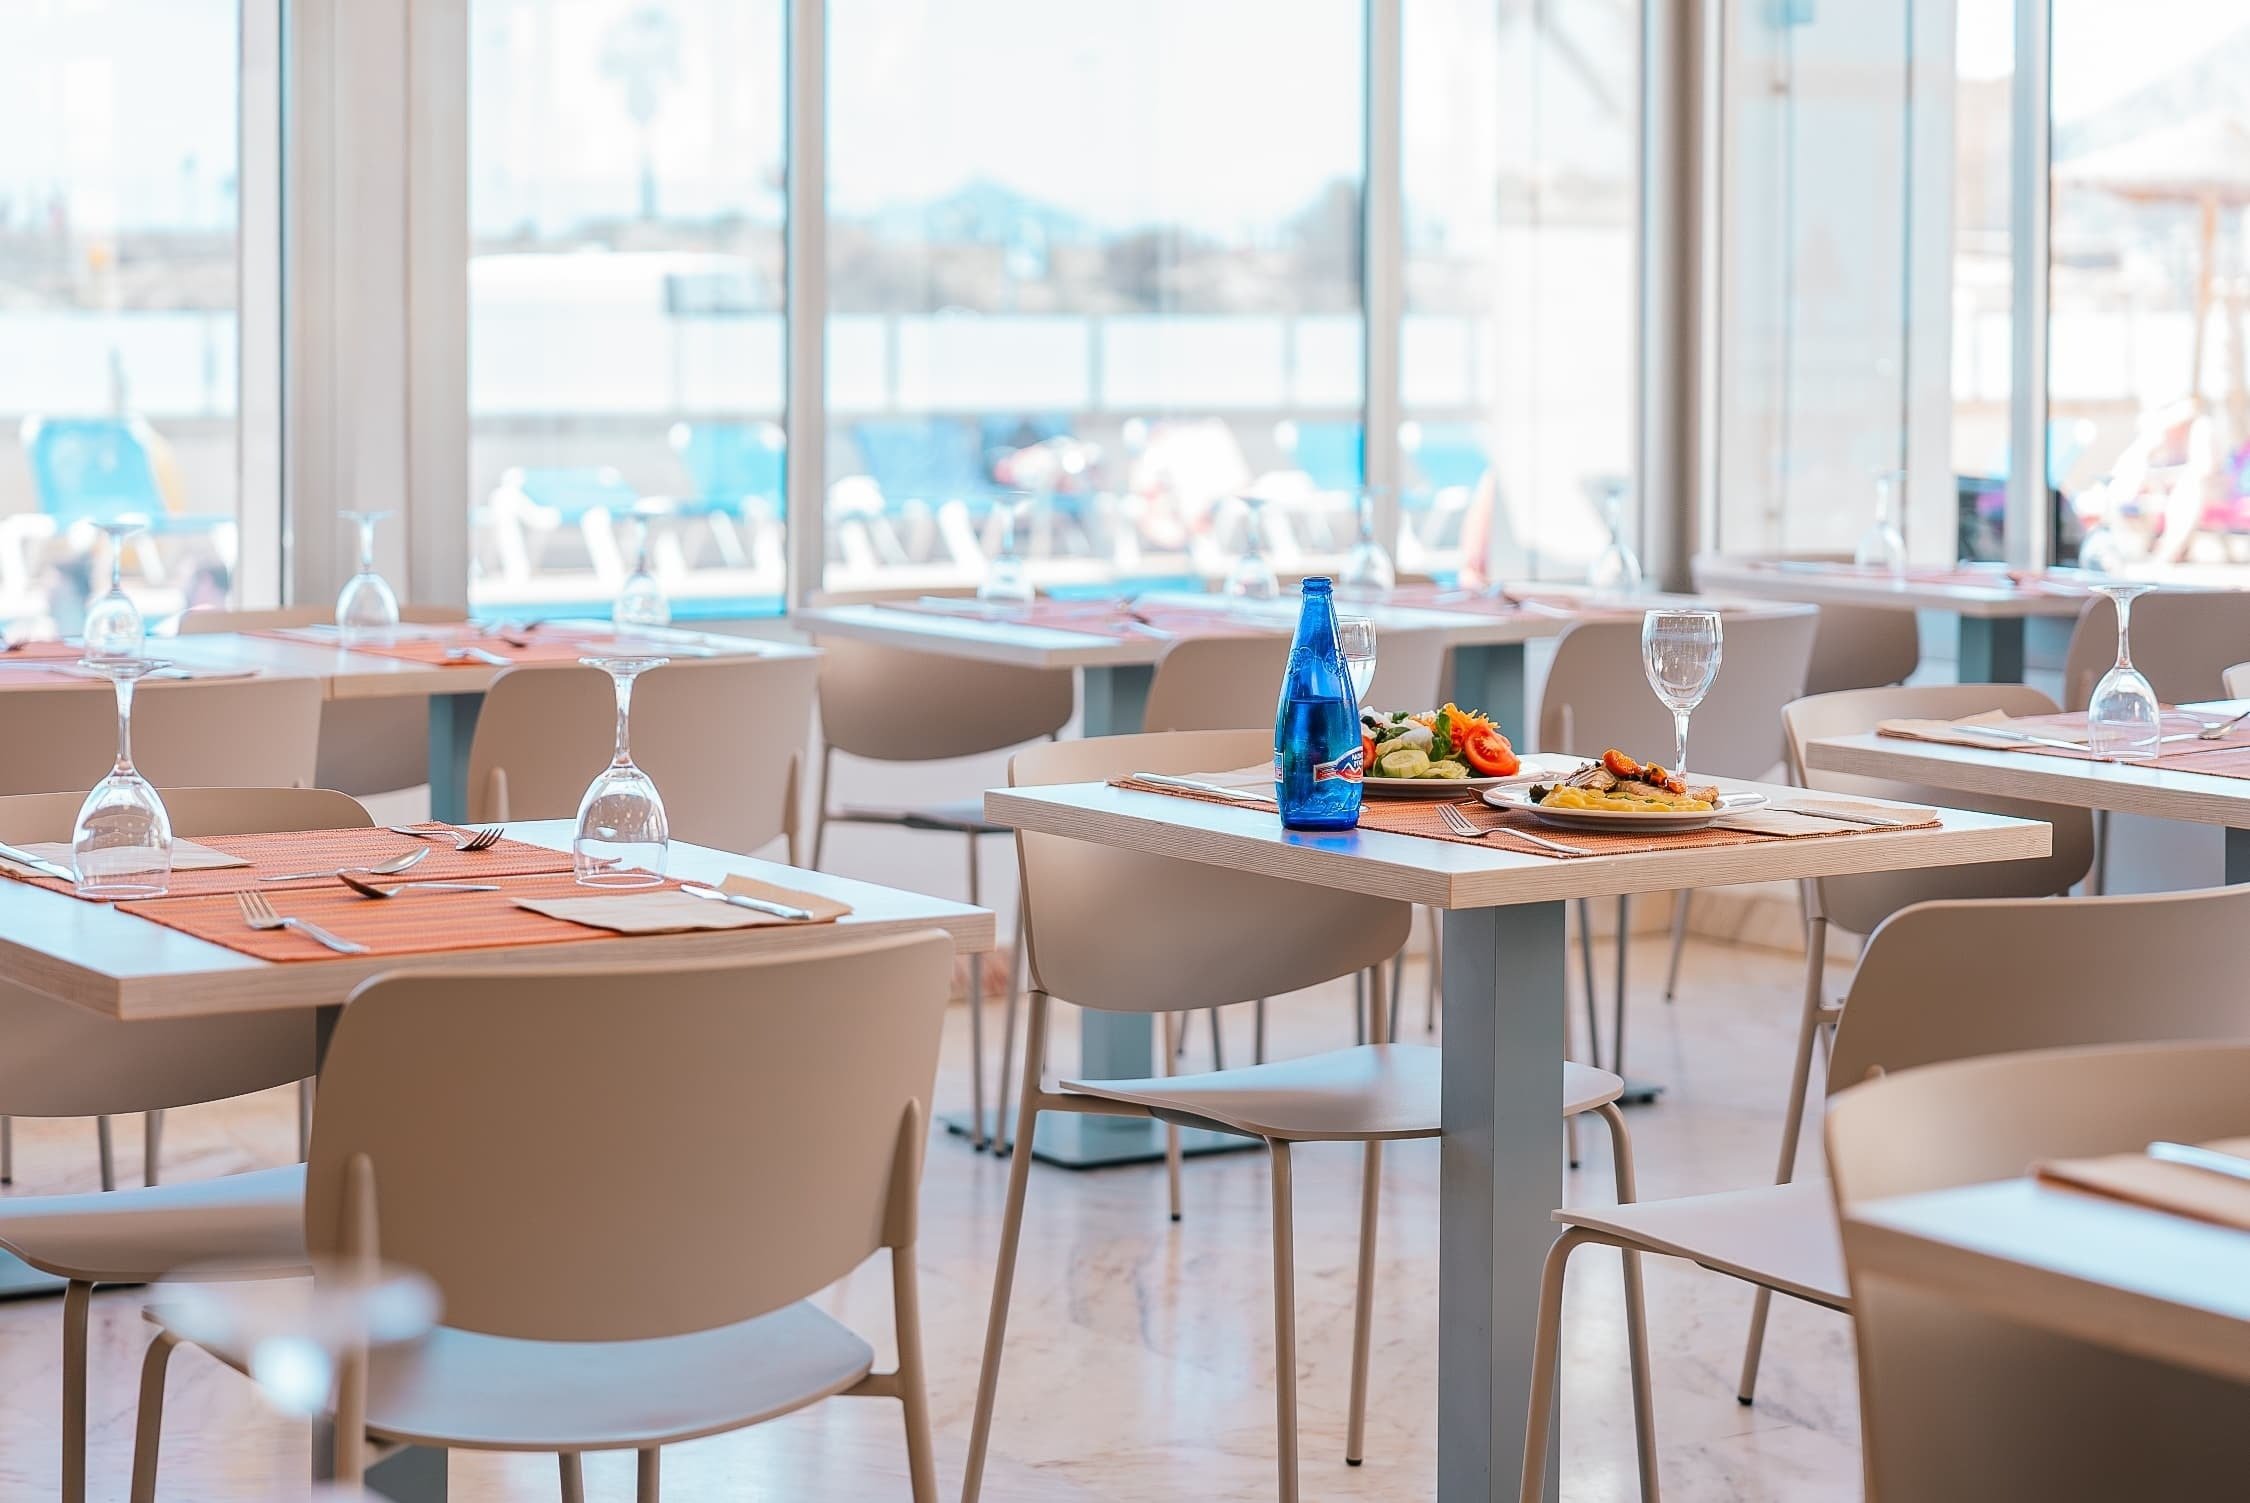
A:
1317	763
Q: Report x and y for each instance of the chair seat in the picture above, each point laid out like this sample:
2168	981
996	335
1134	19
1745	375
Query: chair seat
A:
1781	1236
253	1223
961	816
1374	1091
466	1389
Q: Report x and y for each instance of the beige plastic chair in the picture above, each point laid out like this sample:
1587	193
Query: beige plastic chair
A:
2236	681
1219	684
2183	642
1597	696
1961	1407
1862	647
1938	981
366	745
722	738
65	1061
228	733
1122	931
890	705
791	1138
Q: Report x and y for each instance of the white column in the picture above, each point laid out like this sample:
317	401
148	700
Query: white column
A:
806	299
1382	260
2030	519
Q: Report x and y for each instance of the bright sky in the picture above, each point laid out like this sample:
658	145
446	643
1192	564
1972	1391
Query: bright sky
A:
2103	49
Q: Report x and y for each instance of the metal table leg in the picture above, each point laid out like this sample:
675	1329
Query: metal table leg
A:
1490	678
1500	1176
2238	857
453	725
1991	650
413	1475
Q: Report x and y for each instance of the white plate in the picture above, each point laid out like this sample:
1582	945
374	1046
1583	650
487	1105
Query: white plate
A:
1536	769
1518	796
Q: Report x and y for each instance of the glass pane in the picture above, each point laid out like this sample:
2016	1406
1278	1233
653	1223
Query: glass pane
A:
1815	229
626	360
119	350
1072	253
1983	289
1516	352
2148	419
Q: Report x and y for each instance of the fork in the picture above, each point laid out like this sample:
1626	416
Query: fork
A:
2217	730
463	840
1460	825
259	914
476	655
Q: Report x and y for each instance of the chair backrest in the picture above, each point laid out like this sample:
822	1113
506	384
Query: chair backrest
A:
756	1129
722	738
1218	684
1597	693
1862	647
1957	980
1858	904
1955	1404
1124	931
2183	642
62	1060
92	469
891	705
2236	681
731	462
233	733
219	619
1414	671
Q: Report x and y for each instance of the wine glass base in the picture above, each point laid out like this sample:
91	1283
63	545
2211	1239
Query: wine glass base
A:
112	891
620	879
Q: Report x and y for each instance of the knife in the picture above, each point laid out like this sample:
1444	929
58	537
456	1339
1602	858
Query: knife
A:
2187	1155
39	864
2000	733
755	905
1190	785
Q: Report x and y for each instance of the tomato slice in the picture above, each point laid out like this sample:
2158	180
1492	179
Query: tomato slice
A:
1486	751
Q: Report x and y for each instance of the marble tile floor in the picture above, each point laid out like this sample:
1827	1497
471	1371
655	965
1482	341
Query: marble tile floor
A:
1139	1351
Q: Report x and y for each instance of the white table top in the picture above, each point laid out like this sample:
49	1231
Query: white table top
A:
2123	787
128	967
358	675
1450	874
2096	1270
1846	584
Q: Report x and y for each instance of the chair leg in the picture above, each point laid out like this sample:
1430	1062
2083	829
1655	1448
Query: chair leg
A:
152	1143
7	1150
1359	1009
913	1386
107	1153
1586	970
1539	1421
1617	1007
1004	1131
977	1136
820	807
1171	1129
1218	1045
647	1486
573	1477
1792	1127
78	1301
1284	1320
2097	876
305	1090
1258	1035
1680	903
1363	1310
1636	1313
1011	1236
148	1430
1433	981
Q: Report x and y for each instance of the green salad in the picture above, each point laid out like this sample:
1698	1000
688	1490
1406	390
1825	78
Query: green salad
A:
1411	746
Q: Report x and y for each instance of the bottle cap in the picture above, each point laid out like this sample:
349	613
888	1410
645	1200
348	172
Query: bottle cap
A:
1319	584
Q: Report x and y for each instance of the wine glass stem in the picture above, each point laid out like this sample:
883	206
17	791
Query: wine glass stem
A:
124	725
117	563
367	545
1679	744
2124	630
624	683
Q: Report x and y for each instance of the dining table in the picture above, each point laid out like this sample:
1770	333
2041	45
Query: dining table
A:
2171	787
1502	903
122	964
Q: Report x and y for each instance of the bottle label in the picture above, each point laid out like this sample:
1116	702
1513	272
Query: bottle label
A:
1351	767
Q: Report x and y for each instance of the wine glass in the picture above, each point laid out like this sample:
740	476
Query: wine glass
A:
1368	572
1616	568
641	601
121	844
1883	546
2124	722
367	608
114	628
1681	651
1355	640
622	833
1005	581
1253	577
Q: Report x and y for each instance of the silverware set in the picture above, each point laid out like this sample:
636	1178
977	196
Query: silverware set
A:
479	839
1461	825
259	914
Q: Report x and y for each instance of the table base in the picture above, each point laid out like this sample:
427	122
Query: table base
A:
453	726
1991	650
1640	1092
2237	857
1065	1141
413	1475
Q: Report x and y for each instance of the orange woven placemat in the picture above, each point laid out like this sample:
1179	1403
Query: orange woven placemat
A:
1420	817
1517	602
311	850
2227	757
543	648
1104	618
43	652
410	924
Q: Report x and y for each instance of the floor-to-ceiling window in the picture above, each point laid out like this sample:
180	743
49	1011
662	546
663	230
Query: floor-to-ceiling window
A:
1100	254
626	352
135	386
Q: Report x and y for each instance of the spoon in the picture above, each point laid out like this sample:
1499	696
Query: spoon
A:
370	890
387	868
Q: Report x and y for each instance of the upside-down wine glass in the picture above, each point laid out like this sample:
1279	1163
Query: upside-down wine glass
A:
623	836
367	607
1253	577
1681	651
114	627
2124	722
1005	582
1369	573
641	602
1616	568
1883	546
121	843
1355	640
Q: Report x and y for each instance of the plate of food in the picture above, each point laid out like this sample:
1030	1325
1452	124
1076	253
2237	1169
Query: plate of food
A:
1441	753
1618	792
